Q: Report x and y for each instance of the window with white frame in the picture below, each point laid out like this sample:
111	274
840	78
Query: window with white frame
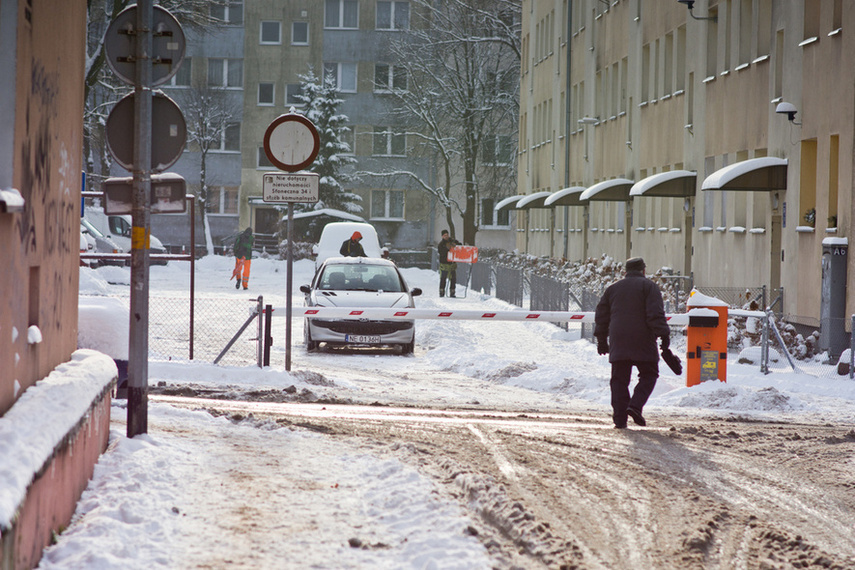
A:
225	72
343	74
341	14
292	92
229	138
490	217
346	136
262	162
184	74
497	150
300	33
222	200
228	11
270	33
389	77
393	15
387	204
389	143
266	94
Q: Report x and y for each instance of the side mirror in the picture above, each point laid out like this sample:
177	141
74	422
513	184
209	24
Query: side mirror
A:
416	292
305	289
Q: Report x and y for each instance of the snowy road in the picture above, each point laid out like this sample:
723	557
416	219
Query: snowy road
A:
493	440
567	490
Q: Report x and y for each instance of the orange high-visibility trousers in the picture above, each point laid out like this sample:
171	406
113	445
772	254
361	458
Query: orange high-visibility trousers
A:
241	272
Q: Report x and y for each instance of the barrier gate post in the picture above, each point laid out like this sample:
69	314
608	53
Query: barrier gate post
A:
706	346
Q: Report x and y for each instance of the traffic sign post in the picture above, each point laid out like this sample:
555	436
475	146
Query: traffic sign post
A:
291	142
167	128
167	45
144	47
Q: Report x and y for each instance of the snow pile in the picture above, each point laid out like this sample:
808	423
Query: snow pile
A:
102	324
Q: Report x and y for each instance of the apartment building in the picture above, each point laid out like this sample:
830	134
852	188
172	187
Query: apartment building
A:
348	40
209	88
712	137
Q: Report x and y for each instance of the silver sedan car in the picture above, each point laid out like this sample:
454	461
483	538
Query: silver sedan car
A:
359	282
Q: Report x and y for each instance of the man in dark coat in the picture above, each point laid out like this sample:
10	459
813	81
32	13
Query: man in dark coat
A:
629	318
243	258
351	247
447	268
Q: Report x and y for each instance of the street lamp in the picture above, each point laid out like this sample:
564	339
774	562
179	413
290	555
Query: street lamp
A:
690	4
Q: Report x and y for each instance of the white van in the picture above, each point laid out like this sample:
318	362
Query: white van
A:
118	229
336	233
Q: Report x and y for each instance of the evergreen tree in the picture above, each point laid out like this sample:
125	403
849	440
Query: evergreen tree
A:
322	100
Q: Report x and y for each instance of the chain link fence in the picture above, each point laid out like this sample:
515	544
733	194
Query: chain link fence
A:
214	324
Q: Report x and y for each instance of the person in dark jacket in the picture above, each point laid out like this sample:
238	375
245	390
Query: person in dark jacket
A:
629	318
447	268
243	258
351	247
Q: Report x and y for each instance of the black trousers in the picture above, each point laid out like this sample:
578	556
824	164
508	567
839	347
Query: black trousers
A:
648	373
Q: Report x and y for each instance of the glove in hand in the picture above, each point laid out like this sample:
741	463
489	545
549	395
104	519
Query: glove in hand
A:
666	342
602	346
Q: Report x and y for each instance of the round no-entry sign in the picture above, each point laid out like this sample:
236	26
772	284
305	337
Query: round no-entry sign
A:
291	142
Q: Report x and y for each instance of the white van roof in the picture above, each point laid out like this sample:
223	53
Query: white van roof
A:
335	233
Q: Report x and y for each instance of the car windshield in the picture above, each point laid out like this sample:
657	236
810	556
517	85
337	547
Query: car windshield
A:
90	228
360	277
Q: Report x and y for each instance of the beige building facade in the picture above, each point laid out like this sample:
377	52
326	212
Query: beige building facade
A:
649	129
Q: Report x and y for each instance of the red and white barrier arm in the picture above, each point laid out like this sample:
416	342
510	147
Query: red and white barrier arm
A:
375	313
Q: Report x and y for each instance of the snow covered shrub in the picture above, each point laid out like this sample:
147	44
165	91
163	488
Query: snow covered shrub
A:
302	250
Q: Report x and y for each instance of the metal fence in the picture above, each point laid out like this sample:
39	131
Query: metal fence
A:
549	295
510	285
482	278
215	322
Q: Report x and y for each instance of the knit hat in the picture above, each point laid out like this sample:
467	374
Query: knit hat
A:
356	235
635	264
444	232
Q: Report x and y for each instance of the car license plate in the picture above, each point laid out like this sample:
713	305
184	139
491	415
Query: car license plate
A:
362	338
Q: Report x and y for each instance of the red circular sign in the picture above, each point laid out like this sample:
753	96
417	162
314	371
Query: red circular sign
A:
291	142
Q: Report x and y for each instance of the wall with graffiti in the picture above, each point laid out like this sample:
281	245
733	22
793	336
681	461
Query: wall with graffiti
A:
39	245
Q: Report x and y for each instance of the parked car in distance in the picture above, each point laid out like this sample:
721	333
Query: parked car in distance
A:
118	229
87	245
100	244
335	233
359	282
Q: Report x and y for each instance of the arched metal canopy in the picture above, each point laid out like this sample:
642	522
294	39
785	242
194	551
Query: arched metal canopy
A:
509	203
614	190
566	197
535	200
672	184
765	174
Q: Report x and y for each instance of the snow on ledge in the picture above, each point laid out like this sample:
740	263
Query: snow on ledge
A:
11	200
28	441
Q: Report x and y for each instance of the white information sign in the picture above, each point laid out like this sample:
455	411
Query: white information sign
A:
279	187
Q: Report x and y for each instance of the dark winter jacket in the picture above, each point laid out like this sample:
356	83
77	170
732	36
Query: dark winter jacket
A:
243	244
352	248
443	247
631	315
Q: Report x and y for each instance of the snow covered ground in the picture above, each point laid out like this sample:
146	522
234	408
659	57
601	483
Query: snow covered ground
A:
153	500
